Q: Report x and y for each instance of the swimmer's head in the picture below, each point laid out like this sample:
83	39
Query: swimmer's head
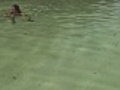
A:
16	8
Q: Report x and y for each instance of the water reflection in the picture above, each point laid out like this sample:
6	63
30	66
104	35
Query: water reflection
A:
94	27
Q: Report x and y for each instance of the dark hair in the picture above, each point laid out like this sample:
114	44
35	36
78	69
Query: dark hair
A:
17	8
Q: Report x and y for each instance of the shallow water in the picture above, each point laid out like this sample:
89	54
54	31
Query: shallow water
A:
69	46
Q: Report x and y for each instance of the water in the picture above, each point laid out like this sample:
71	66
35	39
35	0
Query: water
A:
71	45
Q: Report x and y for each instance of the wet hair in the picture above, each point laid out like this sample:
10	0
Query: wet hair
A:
17	8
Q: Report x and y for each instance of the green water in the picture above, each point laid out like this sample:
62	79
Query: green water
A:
71	45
